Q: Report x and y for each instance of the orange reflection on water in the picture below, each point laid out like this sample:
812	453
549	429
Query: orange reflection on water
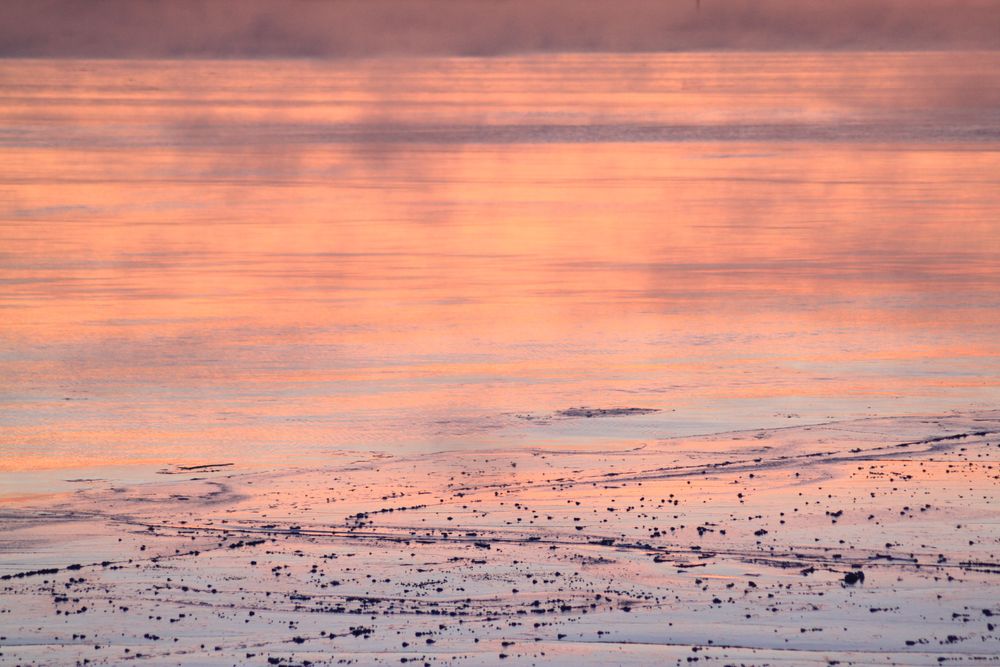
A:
213	259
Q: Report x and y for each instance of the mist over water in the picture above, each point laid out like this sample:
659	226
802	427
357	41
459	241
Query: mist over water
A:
374	28
274	260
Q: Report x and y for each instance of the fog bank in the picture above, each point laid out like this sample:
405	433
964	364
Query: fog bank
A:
364	28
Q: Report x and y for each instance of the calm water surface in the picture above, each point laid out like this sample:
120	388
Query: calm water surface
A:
270	262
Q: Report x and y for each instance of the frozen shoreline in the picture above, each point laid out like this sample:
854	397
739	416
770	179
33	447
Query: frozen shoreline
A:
732	547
